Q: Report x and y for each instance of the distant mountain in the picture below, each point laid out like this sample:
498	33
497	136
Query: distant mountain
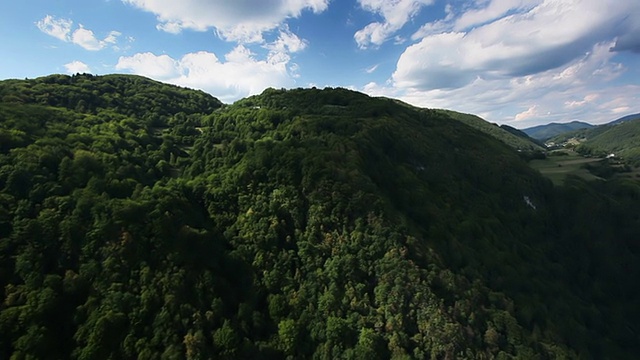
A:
625	118
545	132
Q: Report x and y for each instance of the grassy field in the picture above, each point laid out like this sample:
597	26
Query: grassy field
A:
558	167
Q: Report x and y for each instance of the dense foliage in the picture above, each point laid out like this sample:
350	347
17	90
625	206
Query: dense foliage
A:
295	224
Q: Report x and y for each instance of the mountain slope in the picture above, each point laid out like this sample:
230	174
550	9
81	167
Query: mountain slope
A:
621	139
547	131
625	118
302	224
507	135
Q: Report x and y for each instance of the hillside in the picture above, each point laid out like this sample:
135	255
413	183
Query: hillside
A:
621	139
548	131
506	134
618	137
299	224
625	118
126	94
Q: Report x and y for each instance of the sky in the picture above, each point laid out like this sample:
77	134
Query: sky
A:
515	62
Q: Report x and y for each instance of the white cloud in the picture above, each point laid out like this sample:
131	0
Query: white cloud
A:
239	75
170	27
160	67
287	42
112	38
242	21
76	67
522	61
620	104
438	26
580	90
61	29
621	110
396	13
546	37
58	28
494	10
570	104
371	69
531	112
434	63
87	39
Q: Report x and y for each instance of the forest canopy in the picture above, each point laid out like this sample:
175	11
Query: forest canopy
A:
143	220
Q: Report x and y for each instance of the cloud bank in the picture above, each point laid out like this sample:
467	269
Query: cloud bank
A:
238	75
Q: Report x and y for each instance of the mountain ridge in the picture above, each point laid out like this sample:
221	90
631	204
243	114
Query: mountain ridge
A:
624	118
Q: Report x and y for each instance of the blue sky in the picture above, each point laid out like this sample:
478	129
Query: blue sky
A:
516	62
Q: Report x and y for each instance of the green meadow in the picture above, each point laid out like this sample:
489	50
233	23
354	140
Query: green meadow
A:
558	165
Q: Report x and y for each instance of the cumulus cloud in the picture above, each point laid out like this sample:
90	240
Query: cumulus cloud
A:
242	21
58	28
62	29
395	14
580	90
76	67
240	74
87	39
287	42
434	63
539	36
159	67
522	61
531	112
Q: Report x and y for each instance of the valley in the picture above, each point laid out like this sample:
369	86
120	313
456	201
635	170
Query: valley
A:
557	167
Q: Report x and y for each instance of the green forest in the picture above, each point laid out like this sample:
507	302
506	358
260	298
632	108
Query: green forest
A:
140	220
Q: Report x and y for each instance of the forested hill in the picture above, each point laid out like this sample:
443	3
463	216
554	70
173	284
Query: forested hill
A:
548	131
295	224
126	94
